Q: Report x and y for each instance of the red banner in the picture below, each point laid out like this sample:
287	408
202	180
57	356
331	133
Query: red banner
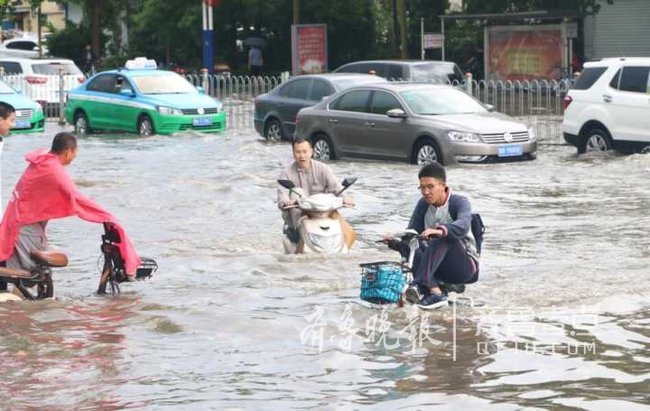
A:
529	53
309	48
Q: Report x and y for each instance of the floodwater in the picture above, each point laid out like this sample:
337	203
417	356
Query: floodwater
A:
229	322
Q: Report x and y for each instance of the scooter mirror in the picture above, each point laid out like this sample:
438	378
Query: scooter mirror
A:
349	181
288	184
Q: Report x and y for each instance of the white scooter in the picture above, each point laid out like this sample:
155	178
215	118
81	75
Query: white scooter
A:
318	228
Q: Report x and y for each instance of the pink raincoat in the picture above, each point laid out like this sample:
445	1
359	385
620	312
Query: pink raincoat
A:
44	192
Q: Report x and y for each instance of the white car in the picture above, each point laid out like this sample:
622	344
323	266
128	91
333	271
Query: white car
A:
40	78
608	107
21	47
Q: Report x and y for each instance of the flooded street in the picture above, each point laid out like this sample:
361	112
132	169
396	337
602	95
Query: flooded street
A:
230	322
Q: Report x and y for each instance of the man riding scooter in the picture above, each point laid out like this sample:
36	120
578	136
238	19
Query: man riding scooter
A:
311	177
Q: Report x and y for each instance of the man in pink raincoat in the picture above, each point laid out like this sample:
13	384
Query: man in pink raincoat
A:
45	191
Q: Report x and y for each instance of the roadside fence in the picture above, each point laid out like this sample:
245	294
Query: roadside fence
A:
536	103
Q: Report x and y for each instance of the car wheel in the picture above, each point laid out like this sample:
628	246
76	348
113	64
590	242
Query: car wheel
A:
81	127
273	131
145	126
597	139
323	149
426	152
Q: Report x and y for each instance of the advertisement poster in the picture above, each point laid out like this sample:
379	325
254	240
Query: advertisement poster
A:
524	53
308	48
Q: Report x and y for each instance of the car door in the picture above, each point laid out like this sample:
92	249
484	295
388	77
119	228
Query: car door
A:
385	136
98	100
346	122
629	104
294	97
124	107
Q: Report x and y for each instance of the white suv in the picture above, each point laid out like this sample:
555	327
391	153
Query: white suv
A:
40	78
21	47
608	107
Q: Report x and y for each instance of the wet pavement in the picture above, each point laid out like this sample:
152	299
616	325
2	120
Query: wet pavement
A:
229	322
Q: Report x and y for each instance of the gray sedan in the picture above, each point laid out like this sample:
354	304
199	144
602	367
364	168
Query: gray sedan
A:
418	123
275	111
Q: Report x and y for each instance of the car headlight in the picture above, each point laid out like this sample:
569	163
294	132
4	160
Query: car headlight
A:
464	137
169	111
531	133
39	109
219	108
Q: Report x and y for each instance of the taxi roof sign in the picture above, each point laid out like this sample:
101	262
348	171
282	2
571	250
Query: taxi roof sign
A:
141	63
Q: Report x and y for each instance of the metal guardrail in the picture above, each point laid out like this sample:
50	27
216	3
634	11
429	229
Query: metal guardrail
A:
537	103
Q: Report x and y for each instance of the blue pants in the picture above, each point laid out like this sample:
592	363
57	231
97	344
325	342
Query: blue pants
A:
443	260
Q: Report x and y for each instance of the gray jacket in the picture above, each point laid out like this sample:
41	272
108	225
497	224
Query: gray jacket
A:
318	178
454	218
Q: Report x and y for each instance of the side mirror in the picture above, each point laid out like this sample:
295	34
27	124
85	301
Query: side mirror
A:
200	89
489	107
127	92
35	48
347	182
288	184
396	113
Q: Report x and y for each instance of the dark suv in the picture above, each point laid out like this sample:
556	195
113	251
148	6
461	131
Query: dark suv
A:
428	71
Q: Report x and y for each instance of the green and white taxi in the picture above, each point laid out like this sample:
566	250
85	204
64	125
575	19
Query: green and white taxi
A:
140	98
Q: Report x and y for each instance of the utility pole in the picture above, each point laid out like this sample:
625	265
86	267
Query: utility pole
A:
296	11
396	30
402	23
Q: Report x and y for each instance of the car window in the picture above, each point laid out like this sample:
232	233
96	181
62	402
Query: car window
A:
22	45
122	83
54	67
615	79
299	89
443	100
634	79
589	76
380	69
320	89
382	102
285	88
104	83
436	73
394	72
11	67
167	83
356	100
5	89
355	68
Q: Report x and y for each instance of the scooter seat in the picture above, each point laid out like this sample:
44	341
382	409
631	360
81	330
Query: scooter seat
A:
49	258
10	274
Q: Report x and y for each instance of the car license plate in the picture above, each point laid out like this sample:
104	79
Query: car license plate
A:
202	121
510	150
22	124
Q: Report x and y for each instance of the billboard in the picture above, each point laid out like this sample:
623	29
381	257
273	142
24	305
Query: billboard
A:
308	48
524	52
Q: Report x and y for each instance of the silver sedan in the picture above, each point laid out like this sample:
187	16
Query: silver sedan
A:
418	123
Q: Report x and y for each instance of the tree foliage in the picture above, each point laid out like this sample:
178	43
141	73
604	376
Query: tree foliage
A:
171	30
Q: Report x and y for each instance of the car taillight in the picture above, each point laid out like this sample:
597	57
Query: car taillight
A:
36	80
81	79
567	100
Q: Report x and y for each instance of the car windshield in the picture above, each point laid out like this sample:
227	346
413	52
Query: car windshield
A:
443	100
435	73
346	83
53	68
5	89
170	83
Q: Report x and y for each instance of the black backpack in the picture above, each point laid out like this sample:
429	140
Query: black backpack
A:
478	228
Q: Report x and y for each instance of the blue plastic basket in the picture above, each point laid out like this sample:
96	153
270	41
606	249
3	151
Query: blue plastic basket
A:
382	282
